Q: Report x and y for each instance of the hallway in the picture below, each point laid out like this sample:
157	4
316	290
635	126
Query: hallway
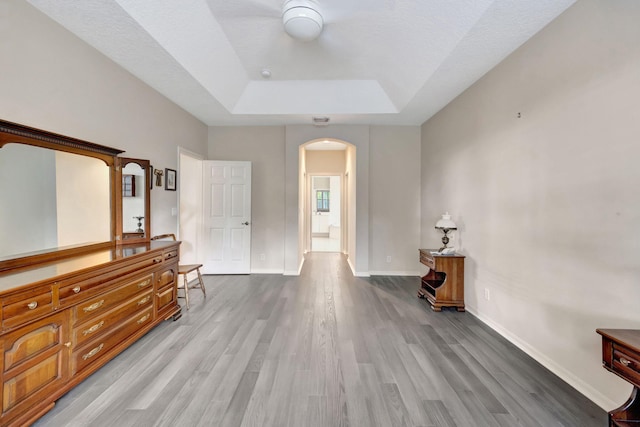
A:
325	244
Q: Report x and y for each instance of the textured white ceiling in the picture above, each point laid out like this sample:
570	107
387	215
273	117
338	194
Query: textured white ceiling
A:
376	61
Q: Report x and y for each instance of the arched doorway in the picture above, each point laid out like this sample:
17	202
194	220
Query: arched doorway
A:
355	232
327	200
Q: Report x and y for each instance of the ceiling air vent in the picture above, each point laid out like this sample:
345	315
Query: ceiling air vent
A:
320	121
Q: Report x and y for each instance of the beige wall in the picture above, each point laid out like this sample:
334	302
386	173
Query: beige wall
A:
538	164
394	199
385	155
263	146
325	162
52	80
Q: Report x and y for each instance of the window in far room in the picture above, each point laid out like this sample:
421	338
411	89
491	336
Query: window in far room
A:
322	200
128	185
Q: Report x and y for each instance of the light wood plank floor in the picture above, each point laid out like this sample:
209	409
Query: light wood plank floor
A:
322	349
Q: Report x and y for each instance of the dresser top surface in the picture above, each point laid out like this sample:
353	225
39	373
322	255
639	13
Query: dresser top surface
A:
12	279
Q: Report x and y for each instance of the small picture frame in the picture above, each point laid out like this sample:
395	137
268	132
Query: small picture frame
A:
170	179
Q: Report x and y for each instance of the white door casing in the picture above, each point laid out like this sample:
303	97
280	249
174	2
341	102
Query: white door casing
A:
226	217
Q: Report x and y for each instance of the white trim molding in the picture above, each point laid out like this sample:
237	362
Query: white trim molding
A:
395	273
575	382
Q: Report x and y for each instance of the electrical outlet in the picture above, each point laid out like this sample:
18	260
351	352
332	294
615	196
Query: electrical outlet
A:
487	294
263	257
388	258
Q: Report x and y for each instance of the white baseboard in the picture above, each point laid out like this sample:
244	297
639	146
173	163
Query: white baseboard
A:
575	382
394	273
293	272
357	273
267	271
353	270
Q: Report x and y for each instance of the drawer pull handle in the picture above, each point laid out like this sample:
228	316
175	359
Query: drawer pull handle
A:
144	300
93	352
625	362
169	256
67	344
32	305
143	319
93	328
93	306
143	284
76	289
157	260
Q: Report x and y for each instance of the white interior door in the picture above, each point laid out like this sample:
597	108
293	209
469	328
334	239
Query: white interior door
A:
227	217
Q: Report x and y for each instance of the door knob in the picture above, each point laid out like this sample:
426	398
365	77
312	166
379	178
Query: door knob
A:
245	223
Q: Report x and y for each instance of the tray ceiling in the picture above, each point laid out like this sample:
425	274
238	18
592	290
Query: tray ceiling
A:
376	61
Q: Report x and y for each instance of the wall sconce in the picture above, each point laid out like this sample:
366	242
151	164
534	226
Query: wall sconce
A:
446	225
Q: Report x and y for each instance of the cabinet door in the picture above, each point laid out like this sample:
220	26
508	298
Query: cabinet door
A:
35	365
166	290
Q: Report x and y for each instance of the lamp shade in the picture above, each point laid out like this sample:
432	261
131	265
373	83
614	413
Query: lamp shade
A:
302	19
445	223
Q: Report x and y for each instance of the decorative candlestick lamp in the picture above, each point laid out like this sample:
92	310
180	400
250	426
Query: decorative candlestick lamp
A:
139	218
446	225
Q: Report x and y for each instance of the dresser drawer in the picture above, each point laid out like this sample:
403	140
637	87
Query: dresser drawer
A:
107	321
97	348
626	362
166	277
81	287
170	254
25	306
165	298
102	303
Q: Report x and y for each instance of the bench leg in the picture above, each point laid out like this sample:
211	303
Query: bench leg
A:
186	290
204	291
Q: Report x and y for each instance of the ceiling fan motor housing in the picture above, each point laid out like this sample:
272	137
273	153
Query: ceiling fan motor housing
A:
302	19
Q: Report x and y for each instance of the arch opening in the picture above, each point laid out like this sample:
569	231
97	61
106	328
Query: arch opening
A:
327	163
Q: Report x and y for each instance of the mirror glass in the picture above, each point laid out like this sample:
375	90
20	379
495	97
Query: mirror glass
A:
51	200
134	193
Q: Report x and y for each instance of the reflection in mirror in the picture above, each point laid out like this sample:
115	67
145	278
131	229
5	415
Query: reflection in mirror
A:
133	200
134	219
51	199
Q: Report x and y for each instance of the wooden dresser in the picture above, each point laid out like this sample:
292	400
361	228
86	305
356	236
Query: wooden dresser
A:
621	355
443	285
62	320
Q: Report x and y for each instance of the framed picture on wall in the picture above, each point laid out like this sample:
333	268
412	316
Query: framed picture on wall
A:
170	179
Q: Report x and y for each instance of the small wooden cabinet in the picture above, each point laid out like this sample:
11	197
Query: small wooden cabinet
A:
63	320
443	285
621	355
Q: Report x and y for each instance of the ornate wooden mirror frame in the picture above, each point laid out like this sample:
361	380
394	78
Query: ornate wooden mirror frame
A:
20	134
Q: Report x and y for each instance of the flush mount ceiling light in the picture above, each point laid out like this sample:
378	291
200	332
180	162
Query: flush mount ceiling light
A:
302	19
